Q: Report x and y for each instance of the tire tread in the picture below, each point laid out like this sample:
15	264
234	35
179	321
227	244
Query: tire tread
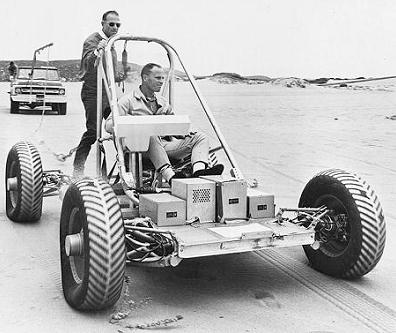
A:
371	218
106	270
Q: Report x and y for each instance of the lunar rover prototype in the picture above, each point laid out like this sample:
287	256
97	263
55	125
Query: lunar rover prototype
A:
128	216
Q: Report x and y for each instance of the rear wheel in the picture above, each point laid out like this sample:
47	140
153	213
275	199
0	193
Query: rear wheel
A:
24	183
92	245
14	107
355	240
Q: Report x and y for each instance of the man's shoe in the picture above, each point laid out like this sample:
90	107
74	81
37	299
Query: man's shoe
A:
178	175
213	171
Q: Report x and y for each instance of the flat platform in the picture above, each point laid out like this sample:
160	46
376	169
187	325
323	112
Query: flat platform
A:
207	239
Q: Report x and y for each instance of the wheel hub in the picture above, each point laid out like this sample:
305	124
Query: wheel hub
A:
74	245
12	184
334	228
334	231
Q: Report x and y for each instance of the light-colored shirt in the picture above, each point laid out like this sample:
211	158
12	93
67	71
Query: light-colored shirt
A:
136	104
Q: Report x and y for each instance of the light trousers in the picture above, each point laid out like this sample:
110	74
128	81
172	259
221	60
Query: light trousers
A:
160	150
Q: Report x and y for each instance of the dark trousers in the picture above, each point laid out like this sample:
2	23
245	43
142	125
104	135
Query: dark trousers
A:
88	97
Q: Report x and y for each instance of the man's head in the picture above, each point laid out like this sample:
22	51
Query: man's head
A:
153	77
110	23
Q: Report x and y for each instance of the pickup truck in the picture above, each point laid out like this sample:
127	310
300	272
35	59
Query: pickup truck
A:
40	86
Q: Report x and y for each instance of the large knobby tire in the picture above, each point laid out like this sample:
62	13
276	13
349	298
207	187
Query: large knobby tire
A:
14	108
24	183
349	195
93	279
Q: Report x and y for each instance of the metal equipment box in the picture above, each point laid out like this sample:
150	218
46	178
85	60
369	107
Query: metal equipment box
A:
200	196
231	200
164	209
260	204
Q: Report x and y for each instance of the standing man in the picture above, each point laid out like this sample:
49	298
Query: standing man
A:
12	70
88	73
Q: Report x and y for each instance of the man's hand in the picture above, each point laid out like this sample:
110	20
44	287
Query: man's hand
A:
100	47
101	44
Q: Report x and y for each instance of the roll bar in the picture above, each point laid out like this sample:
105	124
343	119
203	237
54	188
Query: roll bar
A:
110	86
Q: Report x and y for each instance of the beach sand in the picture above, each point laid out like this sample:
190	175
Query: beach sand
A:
280	136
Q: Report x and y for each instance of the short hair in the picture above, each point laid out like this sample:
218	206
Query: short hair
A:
147	68
104	16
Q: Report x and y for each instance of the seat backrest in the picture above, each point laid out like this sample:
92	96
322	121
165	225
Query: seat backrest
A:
137	130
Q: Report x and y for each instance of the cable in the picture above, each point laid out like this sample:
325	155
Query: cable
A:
59	156
147	245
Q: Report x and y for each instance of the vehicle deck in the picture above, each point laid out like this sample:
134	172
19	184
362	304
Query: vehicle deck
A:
205	239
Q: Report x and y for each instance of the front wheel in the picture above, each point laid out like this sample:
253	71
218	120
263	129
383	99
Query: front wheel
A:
14	107
24	183
354	241
92	245
60	108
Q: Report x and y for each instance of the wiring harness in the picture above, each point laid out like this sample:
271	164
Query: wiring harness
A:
145	244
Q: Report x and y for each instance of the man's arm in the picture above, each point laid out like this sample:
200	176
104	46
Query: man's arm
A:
166	108
91	51
123	107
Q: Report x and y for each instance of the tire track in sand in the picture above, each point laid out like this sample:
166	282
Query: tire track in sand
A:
358	305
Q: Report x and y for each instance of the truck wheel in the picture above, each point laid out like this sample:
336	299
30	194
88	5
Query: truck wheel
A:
14	107
92	245
62	108
356	243
24	183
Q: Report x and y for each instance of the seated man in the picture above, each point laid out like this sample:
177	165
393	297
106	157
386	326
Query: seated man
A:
144	101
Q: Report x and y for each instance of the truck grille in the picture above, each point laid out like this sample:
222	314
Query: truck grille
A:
40	91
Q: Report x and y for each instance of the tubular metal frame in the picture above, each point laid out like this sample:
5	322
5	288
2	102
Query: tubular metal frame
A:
109	83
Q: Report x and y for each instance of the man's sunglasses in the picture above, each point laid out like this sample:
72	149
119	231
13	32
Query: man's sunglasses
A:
112	24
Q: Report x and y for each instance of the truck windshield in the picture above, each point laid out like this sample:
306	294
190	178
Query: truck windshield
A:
39	74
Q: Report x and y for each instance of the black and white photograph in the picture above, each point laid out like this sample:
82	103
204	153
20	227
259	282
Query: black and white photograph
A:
198	166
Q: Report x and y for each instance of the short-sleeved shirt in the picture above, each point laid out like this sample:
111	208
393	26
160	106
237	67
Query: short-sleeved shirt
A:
136	104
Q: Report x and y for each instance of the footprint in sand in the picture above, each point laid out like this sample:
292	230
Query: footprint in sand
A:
267	299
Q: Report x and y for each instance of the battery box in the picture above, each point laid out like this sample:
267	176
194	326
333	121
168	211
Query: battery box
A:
260	204
164	209
200	197
231	200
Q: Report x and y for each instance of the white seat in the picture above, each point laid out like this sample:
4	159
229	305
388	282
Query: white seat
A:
137	130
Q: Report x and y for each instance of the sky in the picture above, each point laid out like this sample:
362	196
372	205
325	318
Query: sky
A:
277	38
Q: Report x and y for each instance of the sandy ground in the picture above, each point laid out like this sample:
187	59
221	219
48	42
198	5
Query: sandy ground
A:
281	137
